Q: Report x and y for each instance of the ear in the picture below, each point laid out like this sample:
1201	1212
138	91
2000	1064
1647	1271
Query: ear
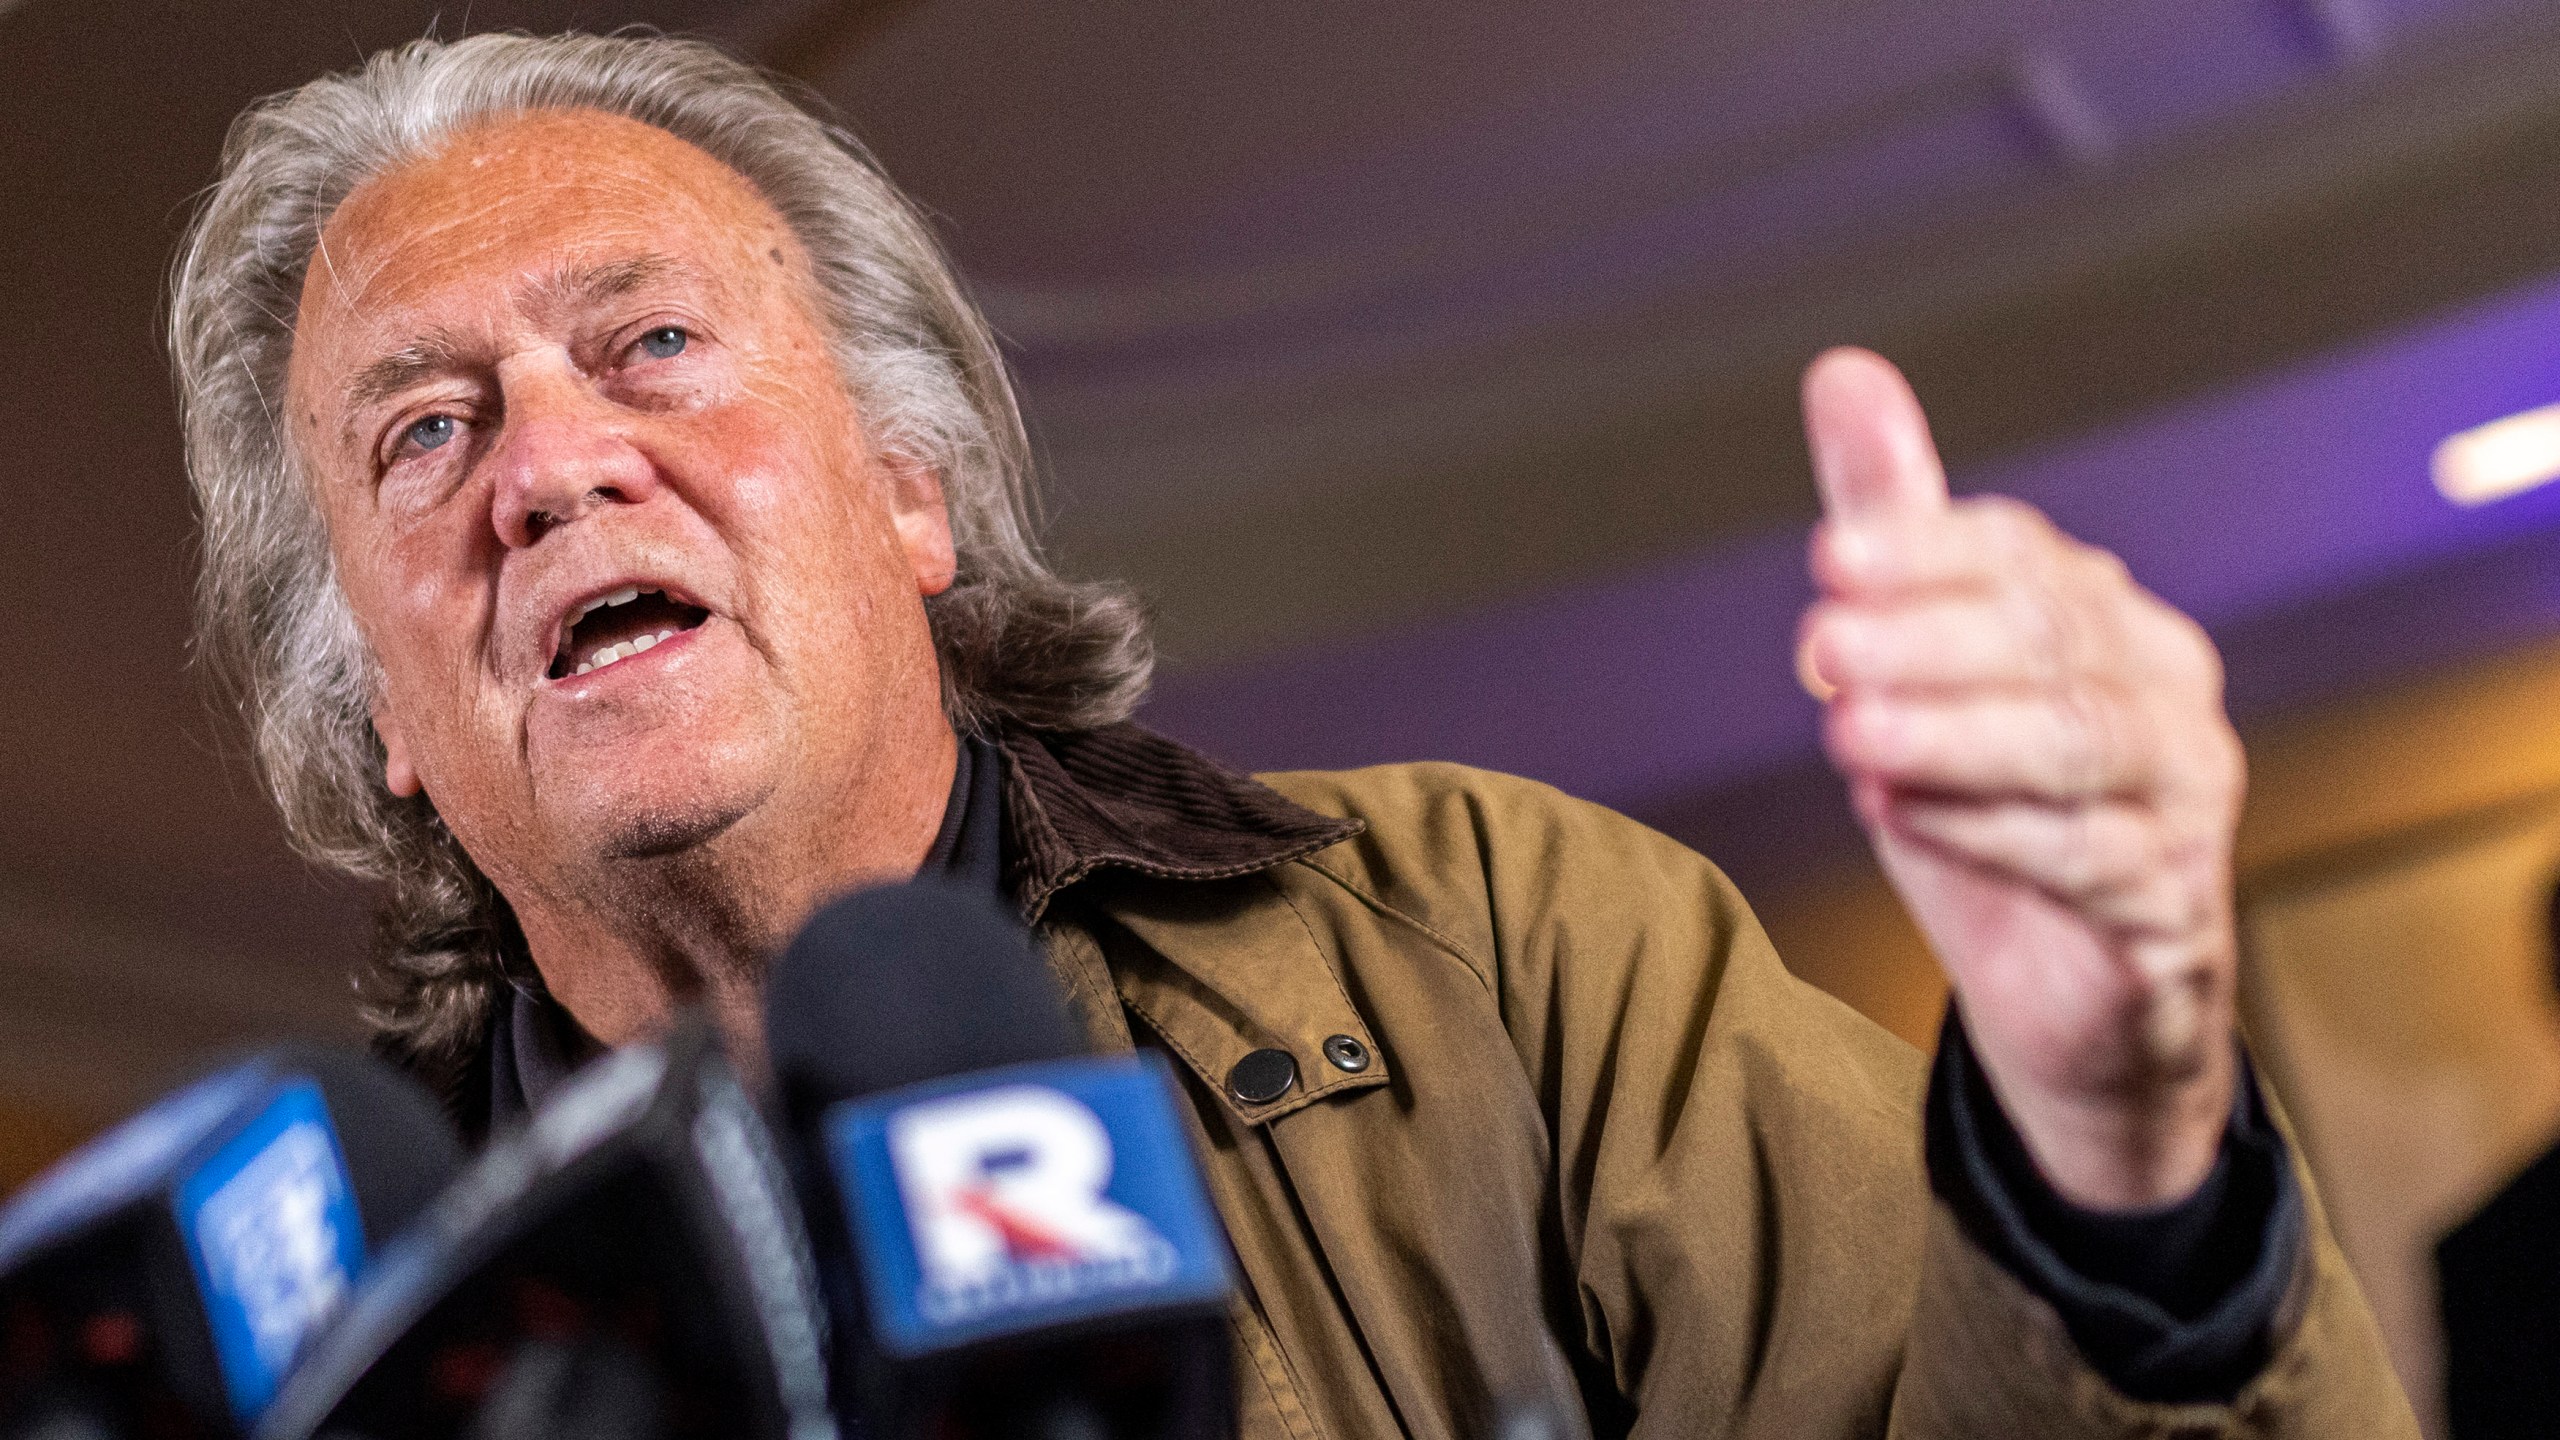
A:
924	522
398	775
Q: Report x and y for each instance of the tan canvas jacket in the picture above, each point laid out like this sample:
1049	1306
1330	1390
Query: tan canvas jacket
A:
1557	1124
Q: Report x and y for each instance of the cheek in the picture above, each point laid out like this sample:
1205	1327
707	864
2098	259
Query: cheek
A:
423	607
432	594
794	491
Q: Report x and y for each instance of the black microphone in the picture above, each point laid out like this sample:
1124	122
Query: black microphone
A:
162	1280
630	1265
1028	1246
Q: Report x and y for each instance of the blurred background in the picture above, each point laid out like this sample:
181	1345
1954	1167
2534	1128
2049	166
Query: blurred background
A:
1431	367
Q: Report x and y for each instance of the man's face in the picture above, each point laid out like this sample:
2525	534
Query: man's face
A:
599	500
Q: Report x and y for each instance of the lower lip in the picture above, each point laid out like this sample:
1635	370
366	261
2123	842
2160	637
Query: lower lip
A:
627	665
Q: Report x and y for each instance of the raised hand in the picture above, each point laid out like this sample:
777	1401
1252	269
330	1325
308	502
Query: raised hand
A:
2037	748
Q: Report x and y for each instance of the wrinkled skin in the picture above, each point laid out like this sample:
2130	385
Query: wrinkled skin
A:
566	352
2037	748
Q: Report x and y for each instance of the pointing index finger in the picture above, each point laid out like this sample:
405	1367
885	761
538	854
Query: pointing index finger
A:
1872	455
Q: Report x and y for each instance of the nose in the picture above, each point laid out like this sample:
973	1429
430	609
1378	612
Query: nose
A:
562	454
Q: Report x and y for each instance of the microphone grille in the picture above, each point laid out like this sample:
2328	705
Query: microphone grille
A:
400	1149
904	983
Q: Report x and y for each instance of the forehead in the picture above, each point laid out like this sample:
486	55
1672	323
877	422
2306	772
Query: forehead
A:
495	210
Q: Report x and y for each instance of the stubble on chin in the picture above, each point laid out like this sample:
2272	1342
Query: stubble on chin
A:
669	832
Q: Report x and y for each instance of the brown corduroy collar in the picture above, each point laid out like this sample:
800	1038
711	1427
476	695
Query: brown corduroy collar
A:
1125	797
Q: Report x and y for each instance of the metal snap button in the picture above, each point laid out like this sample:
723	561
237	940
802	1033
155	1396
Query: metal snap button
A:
1262	1077
1347	1054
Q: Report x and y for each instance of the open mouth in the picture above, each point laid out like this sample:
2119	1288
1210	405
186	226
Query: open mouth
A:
619	625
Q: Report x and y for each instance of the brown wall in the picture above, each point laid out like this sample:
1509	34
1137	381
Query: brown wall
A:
29	1141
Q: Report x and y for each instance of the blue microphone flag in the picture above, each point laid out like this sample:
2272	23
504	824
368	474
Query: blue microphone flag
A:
265	1210
1016	1199
270	1225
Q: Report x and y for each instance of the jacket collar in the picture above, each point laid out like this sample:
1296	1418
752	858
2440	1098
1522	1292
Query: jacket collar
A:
1125	797
1219	981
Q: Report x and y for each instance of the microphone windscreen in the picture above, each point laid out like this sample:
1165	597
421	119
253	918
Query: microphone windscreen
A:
629	1263
907	983
400	1149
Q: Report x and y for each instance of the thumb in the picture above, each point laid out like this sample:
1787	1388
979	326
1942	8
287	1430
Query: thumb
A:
1872	456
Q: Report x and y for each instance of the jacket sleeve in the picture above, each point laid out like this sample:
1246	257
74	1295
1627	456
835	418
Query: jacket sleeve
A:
1739	1180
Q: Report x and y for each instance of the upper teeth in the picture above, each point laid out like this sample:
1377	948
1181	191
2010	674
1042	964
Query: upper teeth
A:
610	653
623	596
569	622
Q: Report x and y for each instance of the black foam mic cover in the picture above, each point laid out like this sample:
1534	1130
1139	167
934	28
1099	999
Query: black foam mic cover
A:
400	1148
907	983
631	1264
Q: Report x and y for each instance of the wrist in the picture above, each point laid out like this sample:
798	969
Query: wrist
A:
2139	1149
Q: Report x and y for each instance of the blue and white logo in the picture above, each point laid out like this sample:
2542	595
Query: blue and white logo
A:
270	1222
1060	1191
1005	1193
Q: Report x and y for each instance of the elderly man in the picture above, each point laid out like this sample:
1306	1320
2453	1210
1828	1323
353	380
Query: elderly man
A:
616	519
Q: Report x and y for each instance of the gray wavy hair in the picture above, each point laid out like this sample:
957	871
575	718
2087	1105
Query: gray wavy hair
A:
1017	643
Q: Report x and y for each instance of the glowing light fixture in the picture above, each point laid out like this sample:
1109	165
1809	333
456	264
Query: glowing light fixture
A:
2499	459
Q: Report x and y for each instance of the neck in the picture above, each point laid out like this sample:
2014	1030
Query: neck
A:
627	947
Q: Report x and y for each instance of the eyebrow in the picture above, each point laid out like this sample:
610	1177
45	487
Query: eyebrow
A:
430	354
568	287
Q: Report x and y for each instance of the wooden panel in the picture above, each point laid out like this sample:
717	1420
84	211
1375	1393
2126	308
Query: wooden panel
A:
1850	935
2481	736
29	1141
2403	1004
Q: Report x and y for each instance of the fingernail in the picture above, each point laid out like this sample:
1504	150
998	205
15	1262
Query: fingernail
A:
1809	674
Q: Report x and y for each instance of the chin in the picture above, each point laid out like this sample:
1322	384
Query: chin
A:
661	792
654	833
651	814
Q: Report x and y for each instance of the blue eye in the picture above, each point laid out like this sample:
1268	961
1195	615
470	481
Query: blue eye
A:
430	433
664	343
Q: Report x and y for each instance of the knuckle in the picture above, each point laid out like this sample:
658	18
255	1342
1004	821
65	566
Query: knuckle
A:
2028	537
2044	635
1828	557
2093	738
2221	769
2167	632
2011	517
2088	592
1857	734
2100	569
2009	536
2200	659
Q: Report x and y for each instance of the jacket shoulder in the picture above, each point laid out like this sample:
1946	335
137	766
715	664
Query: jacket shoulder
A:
1423	791
1516	874
1441	816
1473	853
